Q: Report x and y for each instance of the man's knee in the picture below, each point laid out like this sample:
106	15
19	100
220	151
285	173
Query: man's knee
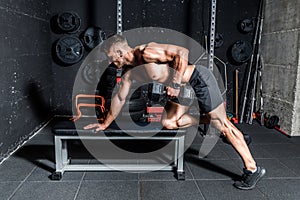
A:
169	124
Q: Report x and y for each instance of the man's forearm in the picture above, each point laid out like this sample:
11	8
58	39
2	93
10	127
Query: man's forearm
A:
180	65
115	108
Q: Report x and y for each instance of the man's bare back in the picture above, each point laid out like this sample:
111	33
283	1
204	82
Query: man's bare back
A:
157	72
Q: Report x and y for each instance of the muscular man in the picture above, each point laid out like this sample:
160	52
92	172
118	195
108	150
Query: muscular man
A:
201	79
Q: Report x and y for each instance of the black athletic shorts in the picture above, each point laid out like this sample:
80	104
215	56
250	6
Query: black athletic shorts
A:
206	89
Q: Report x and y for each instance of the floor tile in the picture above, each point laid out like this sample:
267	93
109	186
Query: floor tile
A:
215	154
283	150
275	168
265	138
45	169
224	190
46	190
152	190
15	169
287	189
7	188
164	175
258	151
27	172
213	169
106	176
293	164
110	190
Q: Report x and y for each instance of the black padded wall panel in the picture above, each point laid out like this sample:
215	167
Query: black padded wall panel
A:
26	75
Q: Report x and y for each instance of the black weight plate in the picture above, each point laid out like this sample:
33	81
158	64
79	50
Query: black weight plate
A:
137	105
93	36
69	22
241	51
272	122
219	40
91	72
69	50
137	116
246	25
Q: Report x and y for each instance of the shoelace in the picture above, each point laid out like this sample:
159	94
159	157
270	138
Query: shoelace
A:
245	177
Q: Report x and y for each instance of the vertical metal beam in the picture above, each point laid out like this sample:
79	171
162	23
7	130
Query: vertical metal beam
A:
119	17
64	152
180	154
176	153
58	154
212	34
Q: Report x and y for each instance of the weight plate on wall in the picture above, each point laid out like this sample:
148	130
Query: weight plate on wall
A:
69	22
69	50
91	72
272	122
246	25
93	36
219	40
241	51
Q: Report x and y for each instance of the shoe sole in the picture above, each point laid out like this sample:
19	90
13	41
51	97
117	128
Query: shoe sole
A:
261	174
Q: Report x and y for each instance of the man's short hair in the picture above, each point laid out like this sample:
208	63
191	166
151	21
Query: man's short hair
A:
106	45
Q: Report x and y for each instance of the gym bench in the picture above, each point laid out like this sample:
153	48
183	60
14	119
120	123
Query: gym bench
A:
66	130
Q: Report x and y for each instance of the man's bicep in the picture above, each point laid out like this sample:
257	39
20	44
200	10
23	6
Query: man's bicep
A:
162	53
124	89
155	53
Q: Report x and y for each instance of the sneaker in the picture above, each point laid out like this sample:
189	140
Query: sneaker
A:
249	179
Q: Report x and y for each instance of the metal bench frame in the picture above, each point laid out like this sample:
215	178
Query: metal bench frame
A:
63	162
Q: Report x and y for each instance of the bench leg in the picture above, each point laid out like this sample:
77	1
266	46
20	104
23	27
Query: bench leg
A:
64	153
57	175
180	155
176	153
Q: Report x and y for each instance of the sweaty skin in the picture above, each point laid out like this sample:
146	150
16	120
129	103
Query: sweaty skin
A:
143	74
176	57
176	115
121	54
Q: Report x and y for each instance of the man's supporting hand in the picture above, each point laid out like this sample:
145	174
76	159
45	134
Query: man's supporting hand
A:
99	127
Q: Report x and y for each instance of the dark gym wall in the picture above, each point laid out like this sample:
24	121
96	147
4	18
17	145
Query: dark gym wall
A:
229	14
26	75
92	13
187	16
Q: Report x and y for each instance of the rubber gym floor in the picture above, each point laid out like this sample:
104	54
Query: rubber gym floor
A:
25	174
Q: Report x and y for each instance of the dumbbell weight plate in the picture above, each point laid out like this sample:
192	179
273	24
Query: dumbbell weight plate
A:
241	51
246	25
93	36
69	22
69	50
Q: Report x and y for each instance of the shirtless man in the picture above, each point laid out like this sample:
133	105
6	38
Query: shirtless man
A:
201	79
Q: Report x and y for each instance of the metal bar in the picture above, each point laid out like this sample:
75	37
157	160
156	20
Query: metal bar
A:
180	154
64	152
260	74
176	153
225	74
250	66
58	154
212	34
116	138
260	24
62	164
119	17
112	167
236	93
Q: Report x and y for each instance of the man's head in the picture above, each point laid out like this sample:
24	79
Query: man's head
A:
116	49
